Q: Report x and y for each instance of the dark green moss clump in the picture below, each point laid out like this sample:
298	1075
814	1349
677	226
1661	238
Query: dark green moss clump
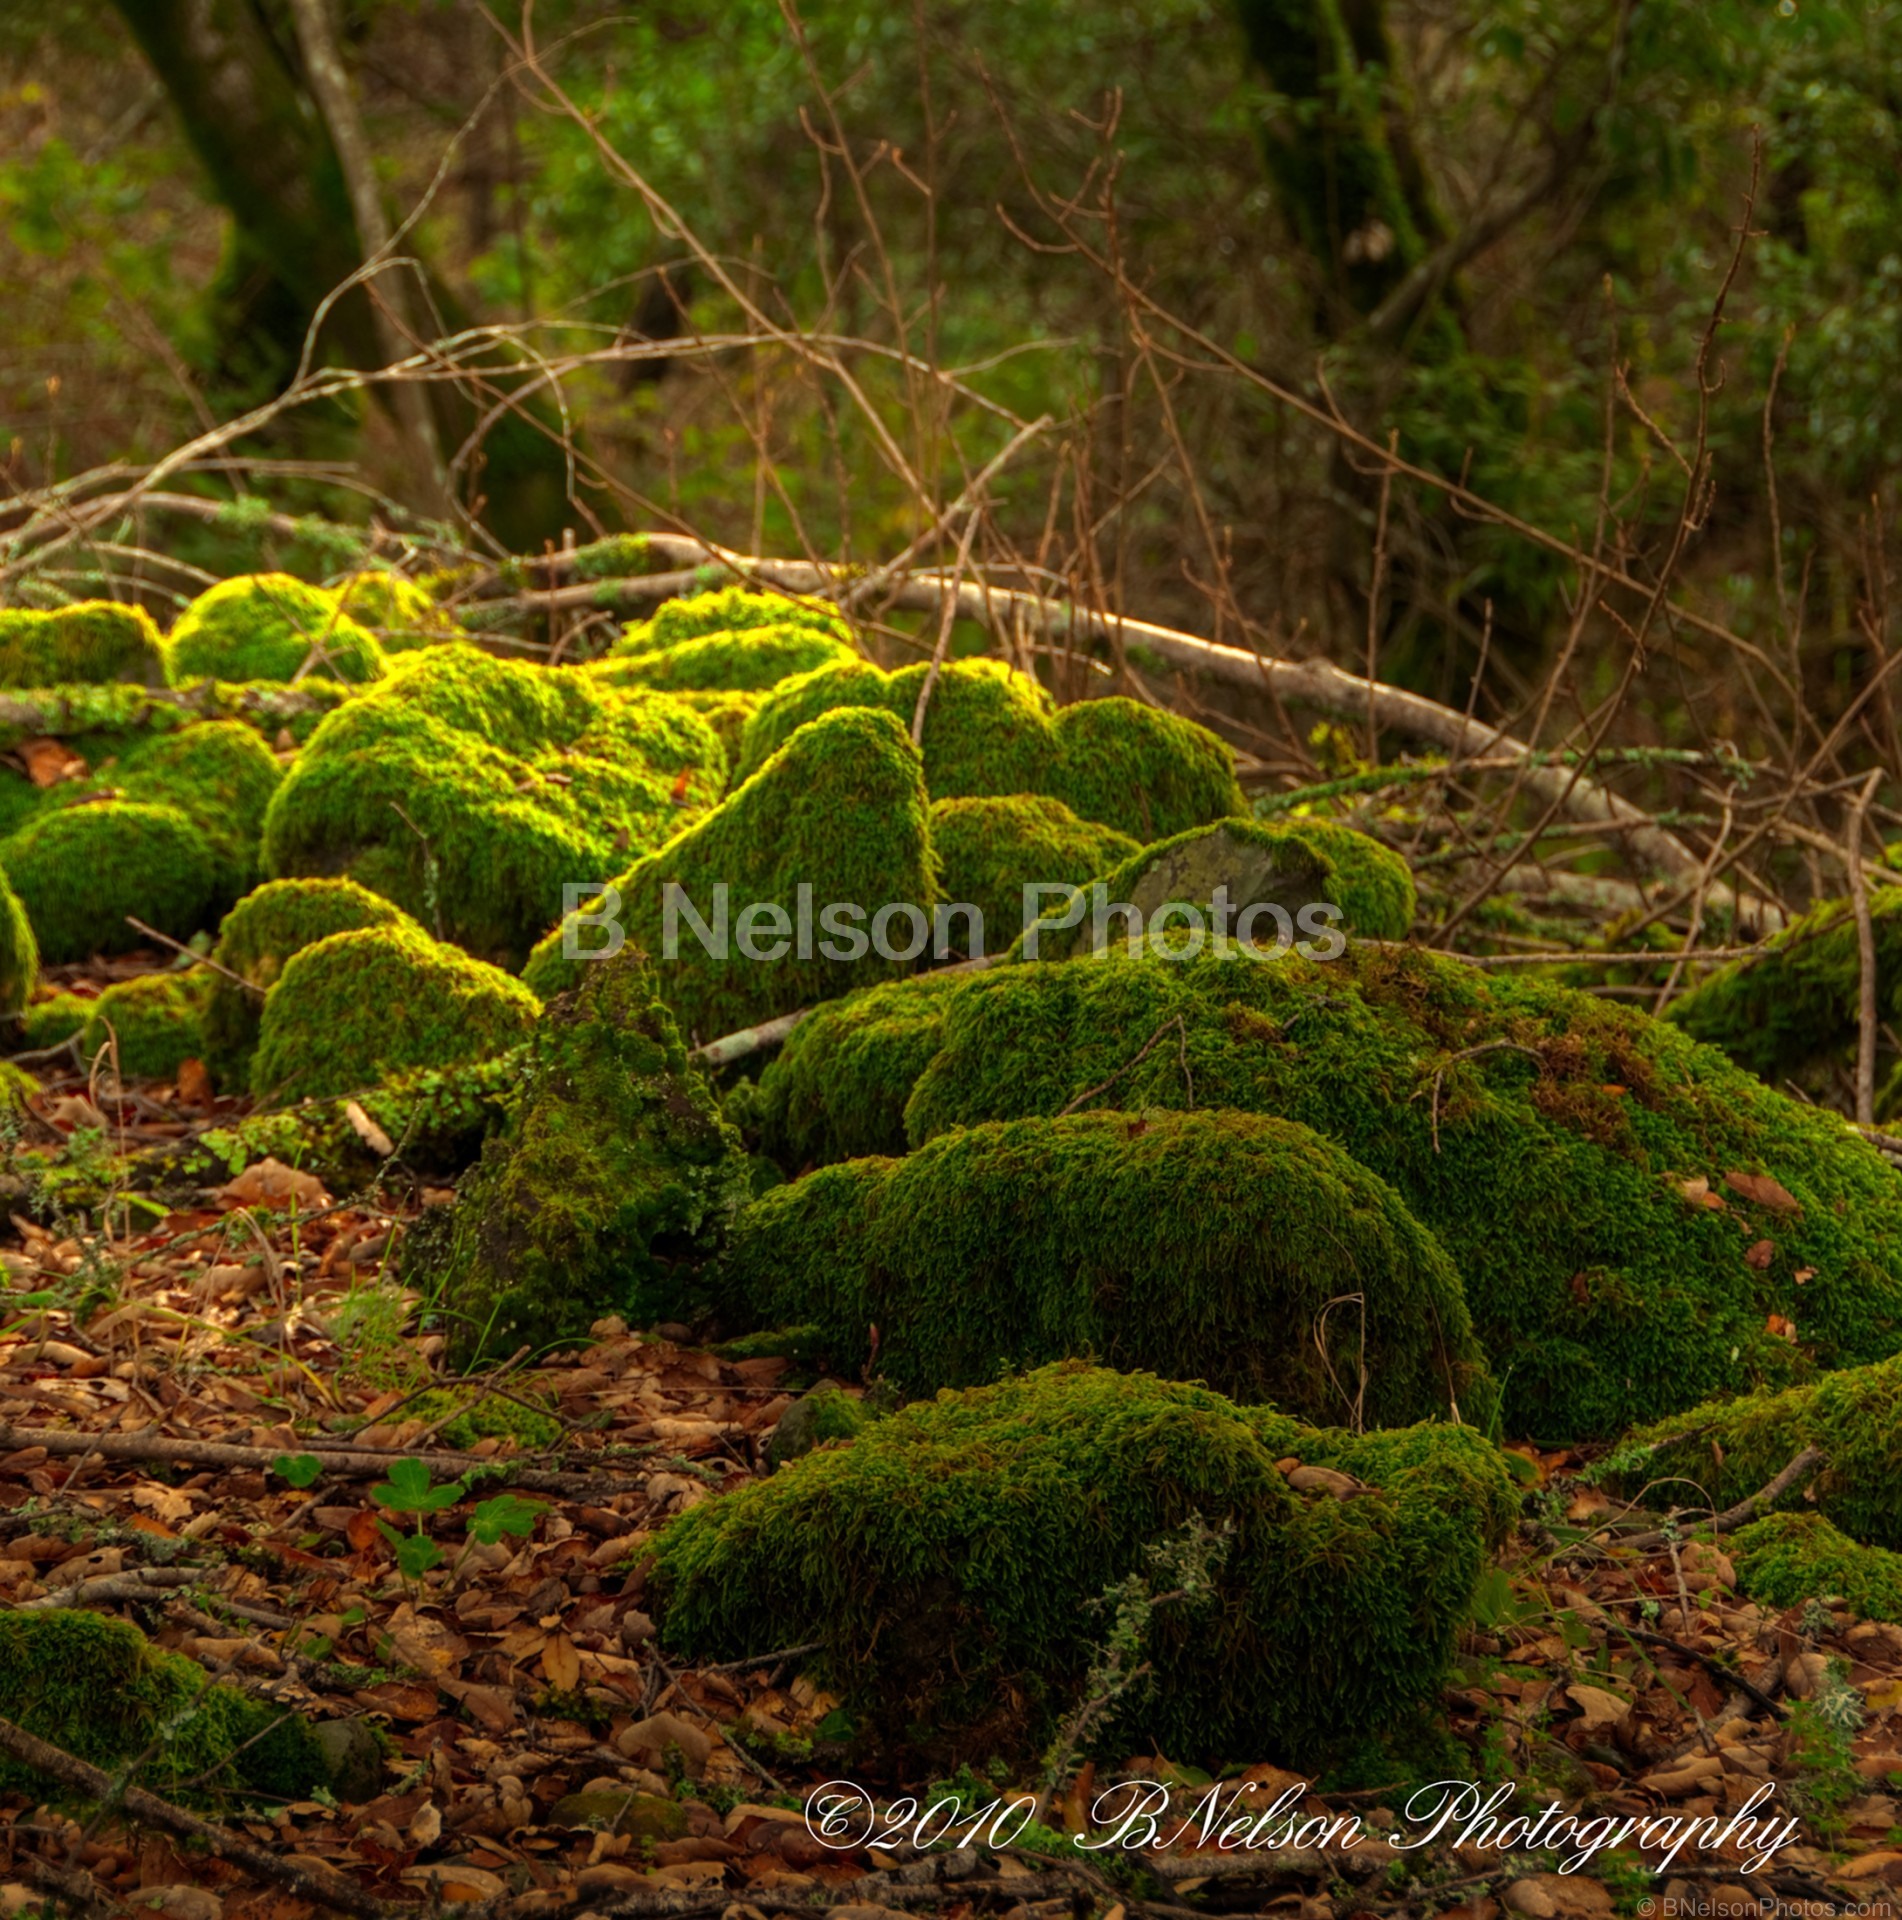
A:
355	1008
19	952
98	1688
80	870
1731	1448
470	791
221	777
1563	1150
992	847
468	1419
948	1559
1226	1247
1789	1558
614	1176
17	1087
270	626
89	643
155	1023
838	816
1148	773
258	936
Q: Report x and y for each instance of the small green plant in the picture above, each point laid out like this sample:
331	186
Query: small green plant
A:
1822	1730
410	1491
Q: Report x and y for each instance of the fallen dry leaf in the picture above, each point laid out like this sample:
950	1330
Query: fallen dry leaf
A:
1764	1191
368	1131
269	1183
48	762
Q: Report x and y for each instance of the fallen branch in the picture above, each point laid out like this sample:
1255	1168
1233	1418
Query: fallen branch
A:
1793	1475
136	1583
1709	1662
317	1884
115	708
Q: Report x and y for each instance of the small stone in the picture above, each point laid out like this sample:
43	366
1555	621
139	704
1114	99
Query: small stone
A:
354	1756
647	1741
640	1816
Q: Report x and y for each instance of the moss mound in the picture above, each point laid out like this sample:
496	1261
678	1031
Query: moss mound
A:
156	1023
837	1089
98	1688
837	817
992	847
19	952
1730	1448
728	610
1263	883
57	1017
1566	1152
87	644
615	1170
947	1557
355	1008
400	612
731	640
1226	1247
470	791
221	777
1789	1558
725	712
17	1087
259	935
469	1419
80	870
270	626
1148	773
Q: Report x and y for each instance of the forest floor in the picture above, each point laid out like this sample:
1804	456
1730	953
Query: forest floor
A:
542	1753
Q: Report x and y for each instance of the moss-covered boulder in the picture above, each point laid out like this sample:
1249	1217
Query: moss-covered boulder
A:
355	1008
1725	1450
948	1559
17	1087
258	936
613	1179
269	626
98	1688
1148	773
54	1017
1786	1559
221	777
471	791
730	640
836	819
992	847
402	613
153	1024
1228	1247
725	711
80	870
19	952
1638	1223
731	610
1295	884
87	644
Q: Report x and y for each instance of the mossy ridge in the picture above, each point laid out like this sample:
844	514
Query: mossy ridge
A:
1546	1137
840	809
1786	1559
80	870
355	1008
96	1687
992	846
725	711
91	642
1294	866
1732	1448
837	1089
1772	1011
1213	1246
19	952
946	1556
154	1023
730	610
470	791
269	626
258	936
614	1175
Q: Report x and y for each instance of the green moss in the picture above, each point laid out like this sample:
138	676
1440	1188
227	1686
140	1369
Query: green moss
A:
88	643
618	556
614	1172
354	1008
155	1021
399	611
1300	869
840	809
19	952
837	1089
1731	1448
1788	1558
98	1688
743	662
17	1087
948	1559
1546	1137
725	712
732	610
1148	773
258	936
470	791
221	777
269	626
1226	1247
992	847
1798	997
57	1017
469	1419
80	870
